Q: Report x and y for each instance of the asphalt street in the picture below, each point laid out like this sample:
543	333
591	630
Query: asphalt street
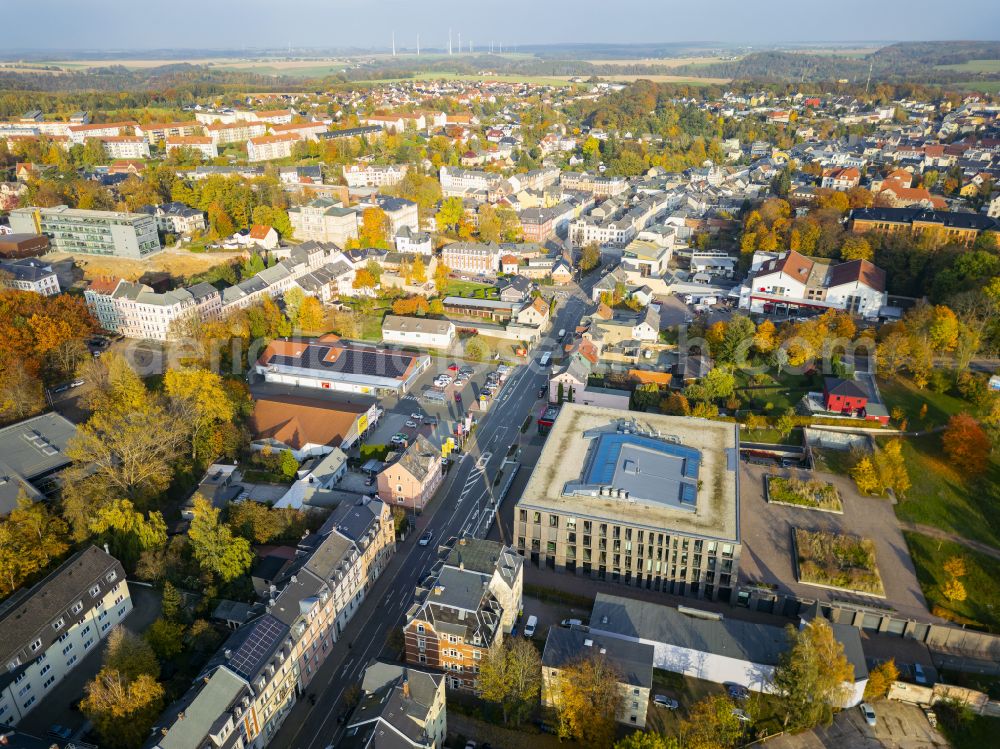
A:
459	508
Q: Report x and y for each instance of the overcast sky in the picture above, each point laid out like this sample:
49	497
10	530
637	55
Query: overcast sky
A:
194	24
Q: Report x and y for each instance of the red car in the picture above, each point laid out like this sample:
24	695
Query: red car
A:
453	368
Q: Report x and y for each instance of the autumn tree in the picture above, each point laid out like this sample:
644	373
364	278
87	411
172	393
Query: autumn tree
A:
587	699
450	214
122	710
966	444
856	248
811	675
891	468
130	655
647	740
866	477
711	724
165	638
441	274
880	679
476	348
199	400
31	537
216	549
374	230
127	531
171	601
590	256
418	271
511	676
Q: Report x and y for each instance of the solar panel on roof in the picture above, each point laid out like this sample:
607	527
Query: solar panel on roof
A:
258	646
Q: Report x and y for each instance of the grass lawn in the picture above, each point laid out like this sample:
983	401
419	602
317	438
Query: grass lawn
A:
834	461
964	729
837	560
974	66
772	436
815	494
945	498
988	87
457	287
940	406
782	391
982	606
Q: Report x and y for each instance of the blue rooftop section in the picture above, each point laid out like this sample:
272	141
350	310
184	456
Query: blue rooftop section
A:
605	456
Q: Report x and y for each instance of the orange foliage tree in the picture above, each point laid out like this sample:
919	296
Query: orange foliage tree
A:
966	443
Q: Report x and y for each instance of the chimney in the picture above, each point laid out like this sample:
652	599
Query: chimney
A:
406	688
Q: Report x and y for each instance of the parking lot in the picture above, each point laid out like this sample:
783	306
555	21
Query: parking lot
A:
432	409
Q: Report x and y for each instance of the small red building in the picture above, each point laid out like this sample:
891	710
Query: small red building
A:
844	396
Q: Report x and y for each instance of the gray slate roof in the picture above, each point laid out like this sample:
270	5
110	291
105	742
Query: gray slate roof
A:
633	660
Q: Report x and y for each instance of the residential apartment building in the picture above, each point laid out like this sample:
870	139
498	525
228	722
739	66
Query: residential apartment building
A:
960	228
29	274
125	146
324	220
632	661
99	297
202	144
651	503
458	182
50	627
841	179
606	187
456	617
158	133
790	281
78	134
176	218
269	147
302	130
73	230
246	691
372	175
472	257
400	212
235	132
405	703
412	478
409	242
145	314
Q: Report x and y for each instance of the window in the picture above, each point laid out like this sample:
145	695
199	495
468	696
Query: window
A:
36	644
58	623
67	648
88	643
77	607
420	628
111	576
45	669
24	690
49	682
30	702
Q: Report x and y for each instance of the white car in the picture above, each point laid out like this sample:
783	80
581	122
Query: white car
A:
868	712
416	416
529	627
411	424
661	700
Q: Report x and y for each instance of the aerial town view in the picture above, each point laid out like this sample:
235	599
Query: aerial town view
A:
552	375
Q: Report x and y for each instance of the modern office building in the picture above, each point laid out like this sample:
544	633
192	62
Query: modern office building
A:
72	230
650	501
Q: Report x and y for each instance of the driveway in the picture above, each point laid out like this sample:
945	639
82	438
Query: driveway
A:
897	726
767	541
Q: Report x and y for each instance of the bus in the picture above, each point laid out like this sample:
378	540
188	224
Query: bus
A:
546	358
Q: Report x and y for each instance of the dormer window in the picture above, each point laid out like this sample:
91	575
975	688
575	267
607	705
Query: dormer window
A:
95	591
36	644
77	607
111	576
58	624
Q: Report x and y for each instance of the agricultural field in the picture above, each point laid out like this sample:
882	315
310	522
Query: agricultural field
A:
663	62
974	66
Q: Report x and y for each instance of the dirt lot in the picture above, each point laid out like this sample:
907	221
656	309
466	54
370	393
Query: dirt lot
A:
897	726
178	263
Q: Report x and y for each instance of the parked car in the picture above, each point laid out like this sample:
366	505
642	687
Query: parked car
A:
467	371
411	424
77	383
470	745
571	622
541	392
61	388
931	717
426	538
529	626
370	481
868	712
740	715
736	691
416	416
919	675
661	700
57	731
453	367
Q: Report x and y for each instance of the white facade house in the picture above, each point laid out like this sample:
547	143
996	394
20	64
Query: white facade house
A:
418	331
29	274
324	220
52	626
411	242
269	147
203	144
472	257
372	175
125	147
789	281
235	132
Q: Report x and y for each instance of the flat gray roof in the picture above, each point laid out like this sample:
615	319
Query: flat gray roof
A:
673	442
31	449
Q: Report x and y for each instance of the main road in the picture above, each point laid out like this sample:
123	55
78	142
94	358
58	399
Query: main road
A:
458	508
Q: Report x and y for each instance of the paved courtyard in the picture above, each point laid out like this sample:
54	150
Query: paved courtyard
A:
897	726
767	541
